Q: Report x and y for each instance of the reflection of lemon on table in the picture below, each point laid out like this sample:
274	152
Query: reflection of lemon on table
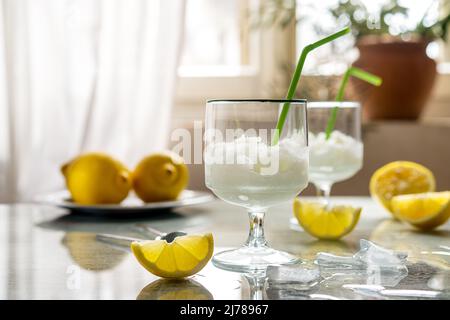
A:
425	210
183	257
326	222
400	177
166	289
96	178
90	254
160	177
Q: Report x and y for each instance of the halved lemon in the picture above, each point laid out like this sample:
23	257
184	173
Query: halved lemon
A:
326	223
183	257
400	177
424	210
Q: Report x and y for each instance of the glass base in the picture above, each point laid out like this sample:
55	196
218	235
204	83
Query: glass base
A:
252	259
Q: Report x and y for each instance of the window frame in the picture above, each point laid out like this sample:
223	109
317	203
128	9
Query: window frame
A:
265	49
268	48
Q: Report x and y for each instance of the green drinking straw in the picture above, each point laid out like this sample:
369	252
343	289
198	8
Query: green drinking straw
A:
296	77
355	72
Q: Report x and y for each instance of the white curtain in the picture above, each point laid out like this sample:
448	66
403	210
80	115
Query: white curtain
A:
82	75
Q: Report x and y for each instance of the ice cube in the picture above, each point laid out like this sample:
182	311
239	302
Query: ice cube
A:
294	277
377	265
374	255
369	254
328	260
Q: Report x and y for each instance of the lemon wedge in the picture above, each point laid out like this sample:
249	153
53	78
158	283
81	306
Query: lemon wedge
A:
400	177
183	257
425	211
326	223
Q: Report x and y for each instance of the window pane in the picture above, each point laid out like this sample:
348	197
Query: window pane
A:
316	21
212	36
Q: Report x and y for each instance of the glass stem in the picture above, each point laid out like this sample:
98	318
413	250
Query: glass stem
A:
256	234
256	286
323	191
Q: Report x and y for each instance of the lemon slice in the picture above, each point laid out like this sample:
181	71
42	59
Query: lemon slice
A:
183	257
400	177
424	210
326	223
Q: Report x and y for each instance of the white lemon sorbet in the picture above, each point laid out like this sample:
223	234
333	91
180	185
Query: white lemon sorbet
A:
334	159
252	173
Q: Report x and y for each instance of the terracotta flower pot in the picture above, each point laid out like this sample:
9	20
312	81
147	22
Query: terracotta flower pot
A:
408	77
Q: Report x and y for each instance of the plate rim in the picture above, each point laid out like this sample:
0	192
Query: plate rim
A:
57	198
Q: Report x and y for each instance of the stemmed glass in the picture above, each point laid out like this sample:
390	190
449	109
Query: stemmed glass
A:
340	156
244	167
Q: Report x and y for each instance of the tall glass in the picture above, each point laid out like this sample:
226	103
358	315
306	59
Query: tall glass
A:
245	168
341	155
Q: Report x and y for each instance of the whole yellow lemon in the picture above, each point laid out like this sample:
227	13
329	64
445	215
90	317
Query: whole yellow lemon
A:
96	178
160	177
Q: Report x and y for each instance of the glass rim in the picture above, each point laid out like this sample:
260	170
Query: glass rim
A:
304	101
332	104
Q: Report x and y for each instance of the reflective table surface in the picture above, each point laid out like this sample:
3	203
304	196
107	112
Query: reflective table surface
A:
48	253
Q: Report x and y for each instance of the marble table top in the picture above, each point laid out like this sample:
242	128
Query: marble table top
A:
48	253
